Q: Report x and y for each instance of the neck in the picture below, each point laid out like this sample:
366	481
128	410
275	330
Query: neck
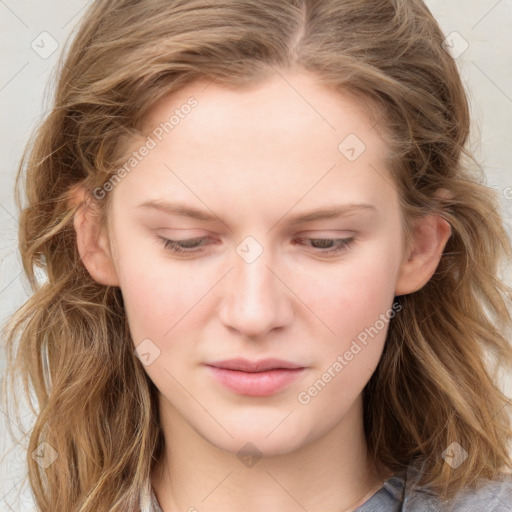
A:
331	472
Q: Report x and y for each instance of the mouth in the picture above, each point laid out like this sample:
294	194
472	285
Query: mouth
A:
263	365
255	378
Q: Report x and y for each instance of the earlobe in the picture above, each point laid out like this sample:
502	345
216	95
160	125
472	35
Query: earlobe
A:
92	242
430	236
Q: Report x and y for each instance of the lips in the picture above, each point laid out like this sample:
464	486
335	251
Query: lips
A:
255	378
245	365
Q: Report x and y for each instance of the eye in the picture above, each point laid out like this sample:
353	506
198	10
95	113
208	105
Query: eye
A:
330	245
195	245
183	246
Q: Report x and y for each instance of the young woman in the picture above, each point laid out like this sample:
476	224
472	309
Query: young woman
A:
272	271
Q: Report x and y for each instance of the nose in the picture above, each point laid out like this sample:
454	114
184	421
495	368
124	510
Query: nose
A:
256	299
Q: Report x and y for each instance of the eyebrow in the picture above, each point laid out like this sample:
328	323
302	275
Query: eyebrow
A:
332	212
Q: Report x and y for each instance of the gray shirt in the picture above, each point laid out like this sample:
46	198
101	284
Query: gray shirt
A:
400	494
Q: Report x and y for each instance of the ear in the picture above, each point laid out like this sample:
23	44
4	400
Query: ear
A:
91	239
430	235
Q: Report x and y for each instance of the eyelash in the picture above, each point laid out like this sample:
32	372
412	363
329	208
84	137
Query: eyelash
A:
175	247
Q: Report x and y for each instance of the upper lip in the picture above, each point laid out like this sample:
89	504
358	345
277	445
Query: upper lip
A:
245	365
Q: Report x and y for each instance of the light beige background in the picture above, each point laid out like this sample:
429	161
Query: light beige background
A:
30	28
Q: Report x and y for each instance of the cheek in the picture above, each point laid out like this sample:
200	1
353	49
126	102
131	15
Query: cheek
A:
371	285
352	295
157	294
357	305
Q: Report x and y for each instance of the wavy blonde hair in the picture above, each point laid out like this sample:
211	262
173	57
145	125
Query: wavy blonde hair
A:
436	381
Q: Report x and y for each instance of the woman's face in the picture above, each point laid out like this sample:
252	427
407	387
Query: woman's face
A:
268	269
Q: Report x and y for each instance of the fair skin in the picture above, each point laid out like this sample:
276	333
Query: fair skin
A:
256	158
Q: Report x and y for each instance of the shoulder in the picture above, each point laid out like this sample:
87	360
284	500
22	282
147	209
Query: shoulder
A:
488	496
493	496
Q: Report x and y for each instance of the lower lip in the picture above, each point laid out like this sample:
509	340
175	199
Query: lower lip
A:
258	383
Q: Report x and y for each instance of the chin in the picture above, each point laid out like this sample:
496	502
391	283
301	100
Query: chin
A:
262	438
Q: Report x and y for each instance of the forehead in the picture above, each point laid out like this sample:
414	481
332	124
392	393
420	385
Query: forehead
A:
294	103
285	139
